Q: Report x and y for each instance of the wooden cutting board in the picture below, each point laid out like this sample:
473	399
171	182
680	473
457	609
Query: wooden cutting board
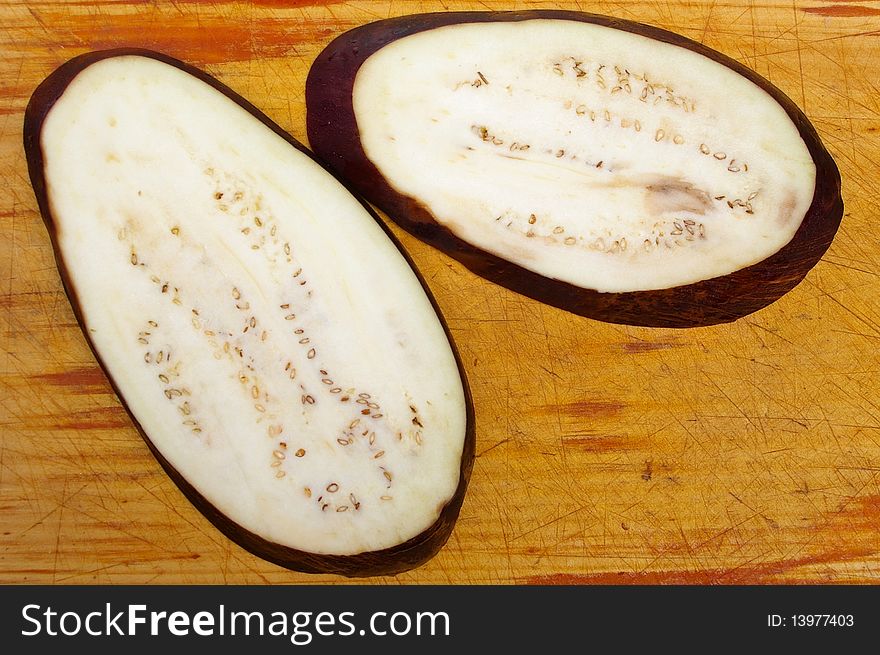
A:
742	453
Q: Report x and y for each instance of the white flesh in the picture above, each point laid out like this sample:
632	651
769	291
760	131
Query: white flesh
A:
591	155
245	304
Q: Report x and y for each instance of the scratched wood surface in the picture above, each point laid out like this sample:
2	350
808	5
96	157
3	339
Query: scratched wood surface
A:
744	453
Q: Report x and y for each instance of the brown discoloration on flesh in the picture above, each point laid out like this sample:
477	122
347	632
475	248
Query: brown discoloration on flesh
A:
673	195
786	210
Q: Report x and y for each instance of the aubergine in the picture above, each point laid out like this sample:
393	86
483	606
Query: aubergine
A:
281	357
609	168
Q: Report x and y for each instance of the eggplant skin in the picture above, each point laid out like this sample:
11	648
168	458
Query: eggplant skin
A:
389	561
334	137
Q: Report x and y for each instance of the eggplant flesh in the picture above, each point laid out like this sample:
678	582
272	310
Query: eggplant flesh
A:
278	351
612	169
586	154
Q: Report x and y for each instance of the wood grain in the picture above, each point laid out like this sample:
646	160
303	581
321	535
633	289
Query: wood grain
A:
742	453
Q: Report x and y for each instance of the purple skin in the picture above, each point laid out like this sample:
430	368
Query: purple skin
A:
333	135
390	561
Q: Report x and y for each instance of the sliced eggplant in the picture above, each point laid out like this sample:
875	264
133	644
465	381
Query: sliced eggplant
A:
609	168
279	354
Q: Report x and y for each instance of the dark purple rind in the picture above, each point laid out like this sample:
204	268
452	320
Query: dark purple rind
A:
334	137
389	561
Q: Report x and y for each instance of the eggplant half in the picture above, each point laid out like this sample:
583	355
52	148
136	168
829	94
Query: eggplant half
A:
612	169
284	362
